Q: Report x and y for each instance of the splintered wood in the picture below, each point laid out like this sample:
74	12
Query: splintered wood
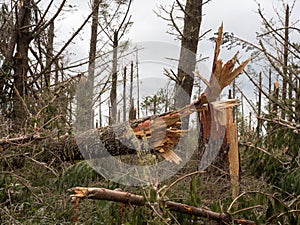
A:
222	76
164	131
168	124
233	154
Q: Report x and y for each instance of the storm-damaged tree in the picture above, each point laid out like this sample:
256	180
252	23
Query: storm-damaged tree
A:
277	52
189	37
278	48
16	62
282	53
188	51
115	23
85	90
29	92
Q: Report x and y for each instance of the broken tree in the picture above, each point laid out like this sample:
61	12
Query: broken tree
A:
163	131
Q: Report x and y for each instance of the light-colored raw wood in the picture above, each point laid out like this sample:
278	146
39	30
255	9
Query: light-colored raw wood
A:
233	153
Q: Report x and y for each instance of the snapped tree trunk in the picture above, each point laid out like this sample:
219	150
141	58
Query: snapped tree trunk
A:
163	131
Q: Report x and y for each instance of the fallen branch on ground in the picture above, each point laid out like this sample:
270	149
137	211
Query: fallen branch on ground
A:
132	199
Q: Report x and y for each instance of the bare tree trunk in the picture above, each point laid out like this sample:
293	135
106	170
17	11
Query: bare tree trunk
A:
21	67
258	128
92	59
131	101
285	60
124	94
132	111
187	59
100	112
297	107
137	87
275	97
8	53
270	91
49	54
113	92
243	116
56	75
250	122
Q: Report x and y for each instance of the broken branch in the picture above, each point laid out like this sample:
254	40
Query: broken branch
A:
132	199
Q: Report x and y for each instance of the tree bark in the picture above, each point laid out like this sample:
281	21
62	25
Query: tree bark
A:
275	97
297	107
131	114
21	67
187	59
285	61
49	54
113	91
132	199
259	123
92	59
124	94
137	87
164	130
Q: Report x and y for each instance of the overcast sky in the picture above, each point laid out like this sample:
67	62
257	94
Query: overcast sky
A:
238	16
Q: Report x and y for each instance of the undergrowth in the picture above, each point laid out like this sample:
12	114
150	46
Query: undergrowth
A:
34	190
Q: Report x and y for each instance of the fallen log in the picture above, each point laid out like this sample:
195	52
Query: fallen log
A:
162	132
132	199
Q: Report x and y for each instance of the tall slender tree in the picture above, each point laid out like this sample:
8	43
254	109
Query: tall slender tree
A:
20	64
285	61
115	25
188	51
92	59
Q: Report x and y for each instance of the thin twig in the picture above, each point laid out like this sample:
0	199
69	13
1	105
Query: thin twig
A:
179	179
202	78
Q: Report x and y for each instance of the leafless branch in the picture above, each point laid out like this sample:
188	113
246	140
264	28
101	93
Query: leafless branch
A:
290	125
65	46
174	23
125	16
202	78
132	199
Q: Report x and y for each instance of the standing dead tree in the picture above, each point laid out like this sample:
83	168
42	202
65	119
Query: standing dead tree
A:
115	25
